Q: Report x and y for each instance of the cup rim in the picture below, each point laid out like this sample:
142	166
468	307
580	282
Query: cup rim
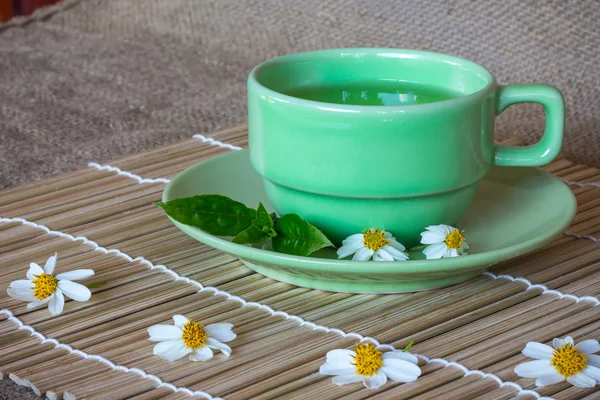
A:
450	59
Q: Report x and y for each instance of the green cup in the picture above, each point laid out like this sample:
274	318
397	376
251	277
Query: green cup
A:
401	167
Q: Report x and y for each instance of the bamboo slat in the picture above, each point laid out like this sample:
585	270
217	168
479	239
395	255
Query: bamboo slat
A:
482	324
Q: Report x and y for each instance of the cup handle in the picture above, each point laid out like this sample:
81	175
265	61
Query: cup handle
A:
544	151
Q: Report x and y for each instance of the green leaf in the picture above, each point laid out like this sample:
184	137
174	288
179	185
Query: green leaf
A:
296	236
263	219
408	346
213	213
260	231
417	248
252	234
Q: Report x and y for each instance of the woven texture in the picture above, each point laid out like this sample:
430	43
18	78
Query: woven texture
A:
468	336
97	79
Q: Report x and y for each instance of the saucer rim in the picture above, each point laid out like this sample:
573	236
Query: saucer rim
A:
463	263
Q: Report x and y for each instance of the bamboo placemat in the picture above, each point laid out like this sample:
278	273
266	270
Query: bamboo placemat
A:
468	336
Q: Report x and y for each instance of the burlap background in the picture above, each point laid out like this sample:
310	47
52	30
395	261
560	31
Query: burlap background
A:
91	80
95	79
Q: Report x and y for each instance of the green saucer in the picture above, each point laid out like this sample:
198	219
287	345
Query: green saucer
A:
515	211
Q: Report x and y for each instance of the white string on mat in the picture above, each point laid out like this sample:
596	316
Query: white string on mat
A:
271	311
545	289
119	171
214	142
580	184
103	360
578	236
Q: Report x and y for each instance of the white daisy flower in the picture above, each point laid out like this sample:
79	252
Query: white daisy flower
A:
189	337
379	244
42	286
370	366
566	361
444	241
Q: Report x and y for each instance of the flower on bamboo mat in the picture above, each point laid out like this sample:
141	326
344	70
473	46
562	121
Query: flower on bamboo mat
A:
370	366
444	241
379	244
568	361
42	286
189	337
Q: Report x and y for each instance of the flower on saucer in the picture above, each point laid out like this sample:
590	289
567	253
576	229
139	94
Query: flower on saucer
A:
568	361
189	337
444	241
379	244
370	366
42	286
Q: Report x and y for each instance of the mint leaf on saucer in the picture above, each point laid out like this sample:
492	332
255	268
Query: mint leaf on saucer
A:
296	236
261	229
213	213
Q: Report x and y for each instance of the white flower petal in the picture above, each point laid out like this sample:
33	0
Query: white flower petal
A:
358	237
201	354
76	291
549	379
23	294
56	303
400	370
592	372
388	235
180	321
346	379
375	381
363	254
442	229
401	355
337	369
76	275
593	359
558	342
447	228
165	345
534	369
171	350
588	346
397	245
435	251
341	356
452	253
538	351
349	248
158	333
38	303
395	253
581	380
34	270
428	237
50	264
22	284
222	332
215	344
382	255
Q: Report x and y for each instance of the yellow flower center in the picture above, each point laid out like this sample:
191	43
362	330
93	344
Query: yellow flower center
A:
375	239
367	359
44	286
455	239
194	336
568	360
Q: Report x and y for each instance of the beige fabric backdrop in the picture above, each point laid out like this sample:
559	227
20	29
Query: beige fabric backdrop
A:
98	78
